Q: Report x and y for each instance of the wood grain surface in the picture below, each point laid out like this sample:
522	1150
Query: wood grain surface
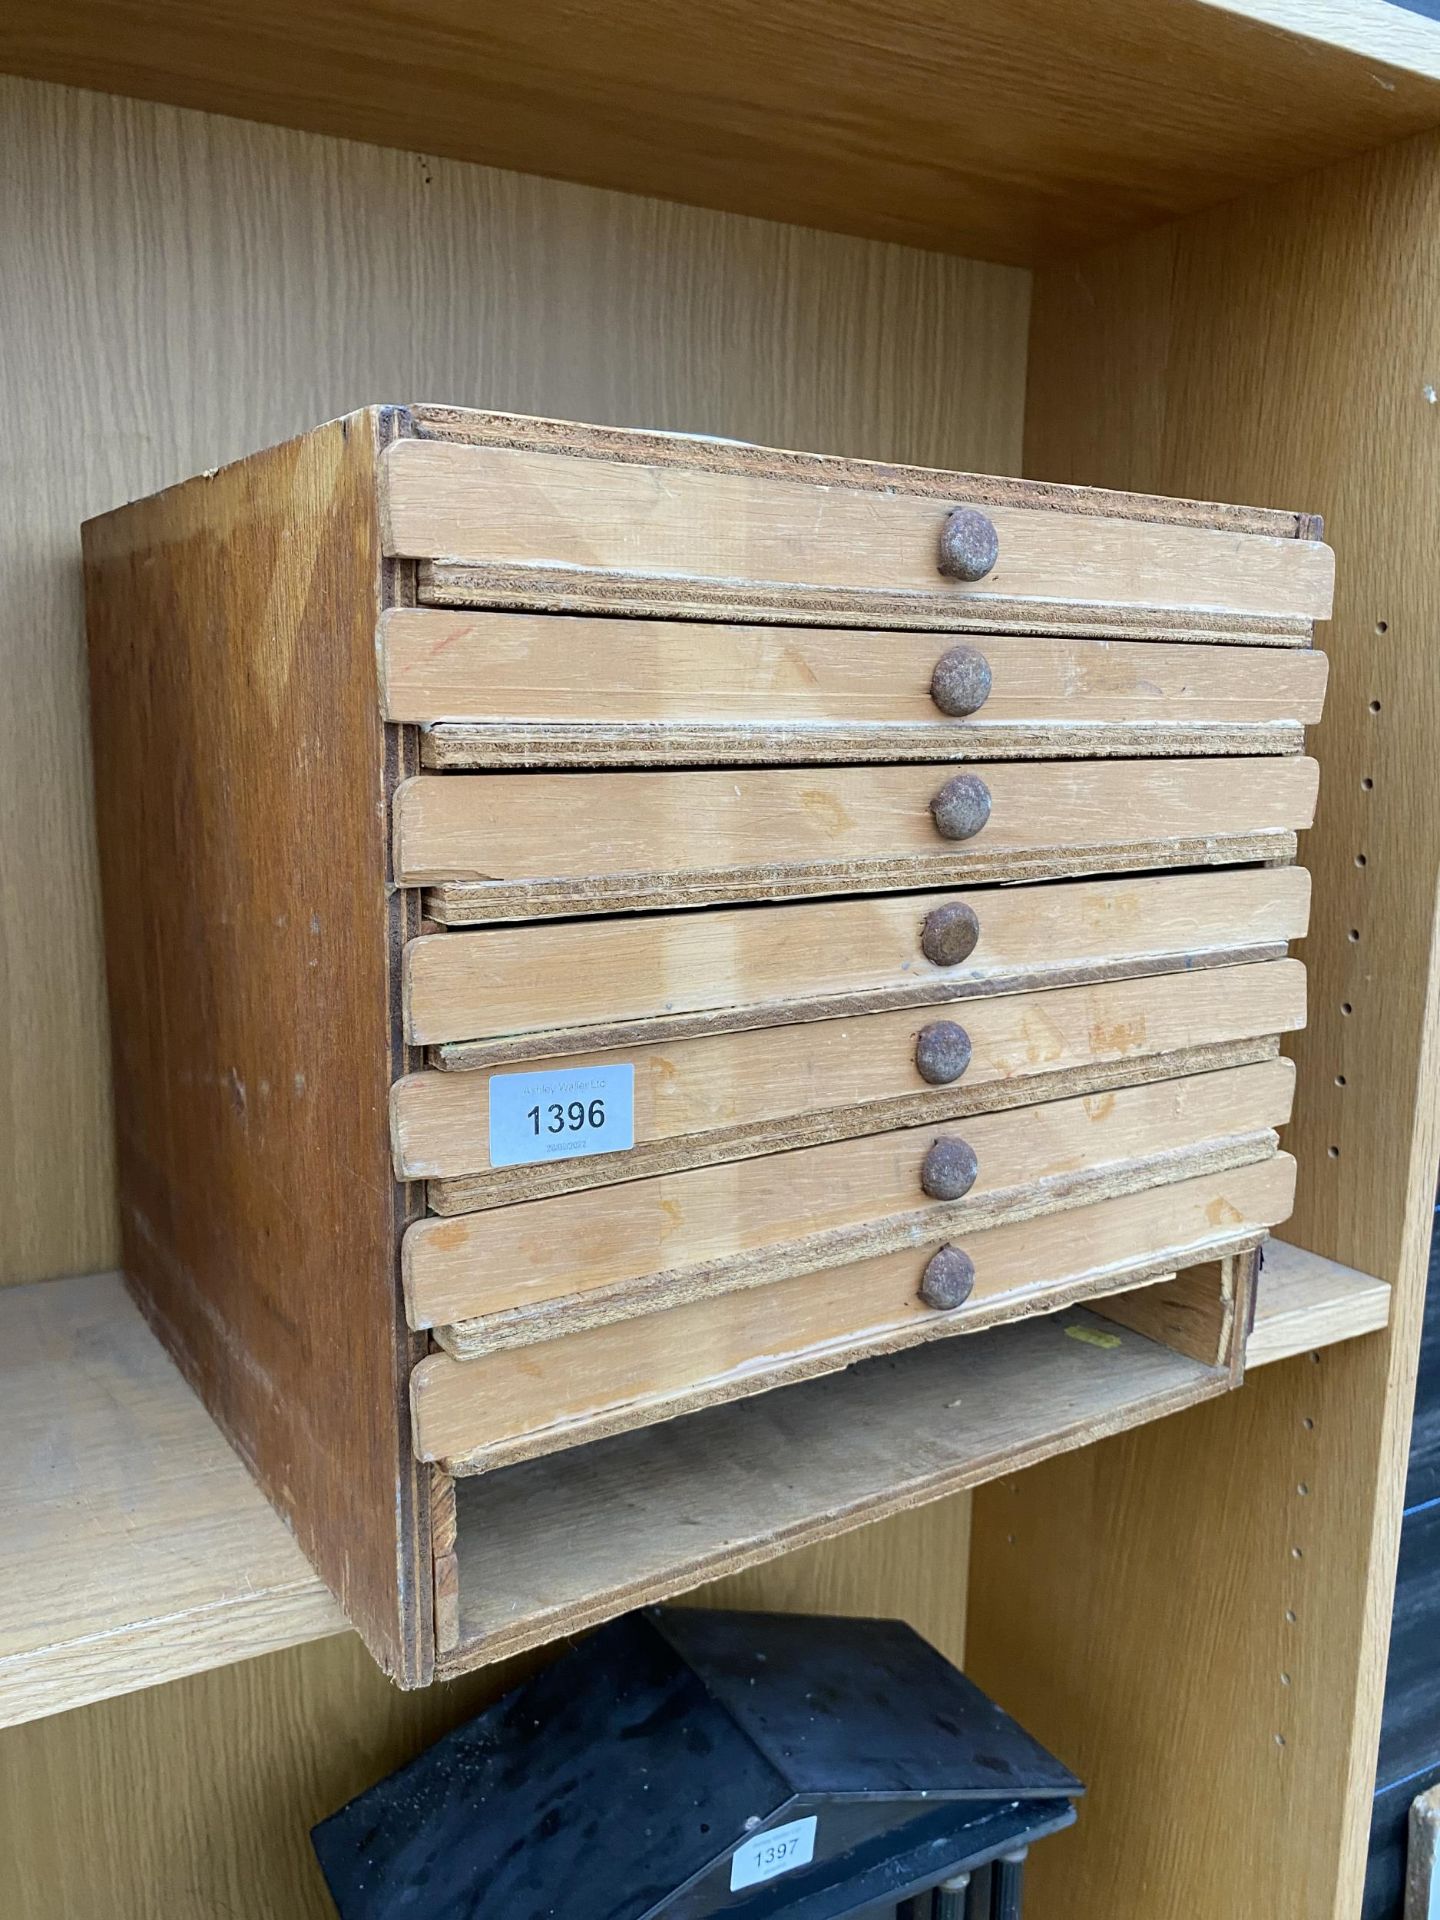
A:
1305	1301
537	587
813	544
710	453
592	842
205	235
454	745
135	1546
260	1229
476	1414
1046	142
515	993
1195	1313
601	1241
215	232
468	903
498	689
195	1800
182	1562
732	1095
606	1303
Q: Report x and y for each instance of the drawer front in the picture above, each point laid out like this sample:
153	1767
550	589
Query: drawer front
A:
507	689
514	993
514	526
735	1095
545	1268
516	845
479	1413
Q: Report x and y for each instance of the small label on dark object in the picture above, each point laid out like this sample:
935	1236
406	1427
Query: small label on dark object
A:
561	1115
772	1853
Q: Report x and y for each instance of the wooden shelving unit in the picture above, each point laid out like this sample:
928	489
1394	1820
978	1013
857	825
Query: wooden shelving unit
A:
160	1557
1186	251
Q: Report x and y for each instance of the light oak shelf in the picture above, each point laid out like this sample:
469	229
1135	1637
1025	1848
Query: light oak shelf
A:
1306	1303
997	131
122	1503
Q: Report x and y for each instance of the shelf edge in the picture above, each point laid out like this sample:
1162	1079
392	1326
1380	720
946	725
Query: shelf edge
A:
1306	1302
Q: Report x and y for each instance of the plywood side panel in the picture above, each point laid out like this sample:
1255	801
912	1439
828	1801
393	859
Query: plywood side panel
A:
180	290
1283	349
258	1226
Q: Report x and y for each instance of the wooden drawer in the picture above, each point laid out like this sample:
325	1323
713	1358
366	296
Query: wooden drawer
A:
545	1268
754	533
512	846
521	992
521	690
730	1096
518	1402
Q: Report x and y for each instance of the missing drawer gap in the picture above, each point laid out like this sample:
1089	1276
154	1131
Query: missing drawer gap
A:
560	1544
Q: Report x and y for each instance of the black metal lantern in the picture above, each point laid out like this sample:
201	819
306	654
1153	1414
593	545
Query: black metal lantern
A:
682	1764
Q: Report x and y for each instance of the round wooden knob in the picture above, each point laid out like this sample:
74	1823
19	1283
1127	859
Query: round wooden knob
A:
942	1052
969	544
949	1279
949	1168
961	807
949	934
960	683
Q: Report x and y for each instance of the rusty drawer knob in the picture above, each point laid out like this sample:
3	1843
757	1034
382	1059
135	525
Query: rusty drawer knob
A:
942	1052
949	934
961	807
969	544
960	683
949	1279
949	1168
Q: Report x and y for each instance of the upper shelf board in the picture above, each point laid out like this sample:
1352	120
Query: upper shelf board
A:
1008	131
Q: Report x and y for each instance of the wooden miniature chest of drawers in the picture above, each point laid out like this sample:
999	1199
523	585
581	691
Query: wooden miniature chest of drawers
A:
916	847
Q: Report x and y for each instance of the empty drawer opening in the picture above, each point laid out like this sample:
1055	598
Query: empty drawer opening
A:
555	1545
